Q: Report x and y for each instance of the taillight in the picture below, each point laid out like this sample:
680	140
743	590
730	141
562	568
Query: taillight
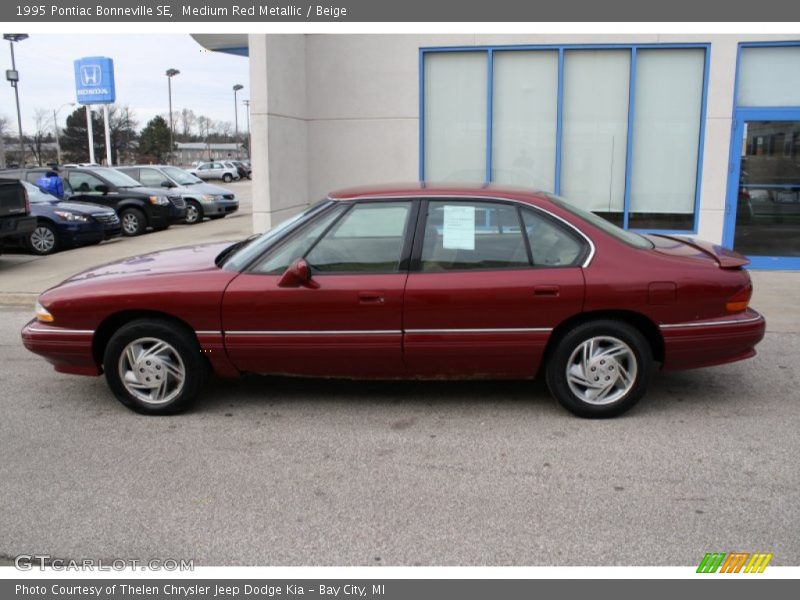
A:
739	301
27	201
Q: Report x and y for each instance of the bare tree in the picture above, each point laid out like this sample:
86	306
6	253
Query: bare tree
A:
41	135
3	132
224	129
204	127
187	120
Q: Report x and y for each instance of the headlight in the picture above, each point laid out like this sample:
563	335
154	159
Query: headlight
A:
42	314
159	200
207	198
70	216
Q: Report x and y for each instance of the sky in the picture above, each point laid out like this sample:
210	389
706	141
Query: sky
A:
47	78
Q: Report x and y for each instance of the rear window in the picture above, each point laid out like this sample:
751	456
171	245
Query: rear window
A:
628	237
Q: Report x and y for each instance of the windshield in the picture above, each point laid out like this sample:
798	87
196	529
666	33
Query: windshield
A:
629	237
116	178
180	176
36	195
248	252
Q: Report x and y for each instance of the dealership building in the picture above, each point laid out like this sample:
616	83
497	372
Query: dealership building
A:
687	134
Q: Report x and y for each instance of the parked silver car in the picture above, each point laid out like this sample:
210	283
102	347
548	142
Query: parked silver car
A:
215	170
202	199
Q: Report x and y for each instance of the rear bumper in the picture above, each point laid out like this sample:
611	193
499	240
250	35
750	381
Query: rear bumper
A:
68	350
713	341
14	226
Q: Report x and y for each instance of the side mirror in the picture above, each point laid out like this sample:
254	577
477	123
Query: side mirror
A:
167	184
102	188
297	274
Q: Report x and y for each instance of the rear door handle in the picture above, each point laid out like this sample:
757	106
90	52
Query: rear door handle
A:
371	298
546	290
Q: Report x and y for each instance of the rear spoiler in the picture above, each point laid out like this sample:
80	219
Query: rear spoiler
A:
726	259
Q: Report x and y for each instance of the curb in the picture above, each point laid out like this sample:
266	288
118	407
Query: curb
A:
18	299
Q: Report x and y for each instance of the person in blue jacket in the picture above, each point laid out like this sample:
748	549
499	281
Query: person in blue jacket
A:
51	183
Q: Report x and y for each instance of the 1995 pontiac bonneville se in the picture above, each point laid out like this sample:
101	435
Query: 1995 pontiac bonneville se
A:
412	281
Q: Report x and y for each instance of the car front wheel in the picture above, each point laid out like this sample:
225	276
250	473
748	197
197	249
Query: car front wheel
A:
194	213
133	222
227	178
154	367
600	369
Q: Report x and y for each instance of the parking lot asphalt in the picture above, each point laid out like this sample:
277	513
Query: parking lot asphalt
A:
278	471
23	275
282	471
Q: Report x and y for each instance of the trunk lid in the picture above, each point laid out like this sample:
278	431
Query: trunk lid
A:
686	247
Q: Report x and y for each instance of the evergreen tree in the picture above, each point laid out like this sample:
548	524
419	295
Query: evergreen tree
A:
154	141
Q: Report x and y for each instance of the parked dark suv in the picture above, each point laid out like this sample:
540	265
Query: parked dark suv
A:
15	211
138	207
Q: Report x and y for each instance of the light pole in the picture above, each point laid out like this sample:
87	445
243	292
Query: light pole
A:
249	146
170	74
12	76
236	88
55	129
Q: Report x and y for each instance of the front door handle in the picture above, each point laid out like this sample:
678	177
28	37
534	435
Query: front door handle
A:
371	298
546	291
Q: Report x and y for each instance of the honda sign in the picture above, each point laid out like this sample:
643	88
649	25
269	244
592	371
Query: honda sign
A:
94	80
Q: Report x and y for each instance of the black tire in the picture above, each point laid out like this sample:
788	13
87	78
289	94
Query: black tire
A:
133	222
43	240
194	212
183	355
635	355
227	178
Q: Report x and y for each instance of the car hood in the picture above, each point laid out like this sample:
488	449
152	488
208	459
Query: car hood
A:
208	188
149	191
83	208
186	259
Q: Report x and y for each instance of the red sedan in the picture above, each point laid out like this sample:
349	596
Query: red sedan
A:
409	282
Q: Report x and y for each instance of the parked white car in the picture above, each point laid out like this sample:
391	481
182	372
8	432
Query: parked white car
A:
215	170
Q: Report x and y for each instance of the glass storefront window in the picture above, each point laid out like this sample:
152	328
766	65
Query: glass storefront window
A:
595	130
560	123
769	76
768	203
455	116
525	90
666	138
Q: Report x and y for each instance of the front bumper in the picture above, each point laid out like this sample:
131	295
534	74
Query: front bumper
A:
68	350
177	210
220	207
713	341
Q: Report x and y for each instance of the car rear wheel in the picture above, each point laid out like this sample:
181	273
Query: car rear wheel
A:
133	222
154	367
227	178
194	212
43	240
600	369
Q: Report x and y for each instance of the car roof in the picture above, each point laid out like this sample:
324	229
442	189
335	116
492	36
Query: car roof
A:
448	190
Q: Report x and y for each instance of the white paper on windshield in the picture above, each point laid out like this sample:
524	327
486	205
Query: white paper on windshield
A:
459	227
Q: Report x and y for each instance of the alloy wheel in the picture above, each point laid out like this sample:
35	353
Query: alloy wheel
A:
130	223
43	239
152	370
601	370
